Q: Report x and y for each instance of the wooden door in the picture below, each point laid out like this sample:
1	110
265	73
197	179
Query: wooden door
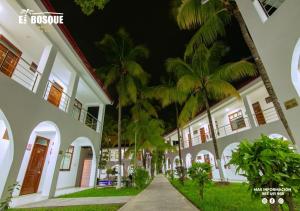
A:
5	135
203	135
35	166
86	173
55	94
259	113
207	160
190	140
8	60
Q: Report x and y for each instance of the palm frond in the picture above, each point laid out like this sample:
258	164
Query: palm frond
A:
220	89
188	83
235	71
190	109
136	70
177	66
138	52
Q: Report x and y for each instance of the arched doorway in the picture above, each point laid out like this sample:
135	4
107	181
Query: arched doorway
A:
6	150
78	165
230	170
188	160
295	67
204	156
39	160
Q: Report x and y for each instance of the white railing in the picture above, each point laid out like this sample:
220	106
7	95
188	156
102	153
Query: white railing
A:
270	6
86	118
23	73
269	115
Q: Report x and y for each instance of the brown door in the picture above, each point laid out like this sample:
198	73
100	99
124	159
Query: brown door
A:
35	166
259	113
190	140
55	94
86	173
8	60
207	160
203	135
5	135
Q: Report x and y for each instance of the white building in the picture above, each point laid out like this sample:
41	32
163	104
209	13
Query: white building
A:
275	30
51	109
234	121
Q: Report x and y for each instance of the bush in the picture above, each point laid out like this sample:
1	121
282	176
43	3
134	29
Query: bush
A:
141	178
199	172
170	174
269	163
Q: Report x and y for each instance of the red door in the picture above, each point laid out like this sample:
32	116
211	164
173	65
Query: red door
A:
86	173
259	113
55	94
202	135
35	166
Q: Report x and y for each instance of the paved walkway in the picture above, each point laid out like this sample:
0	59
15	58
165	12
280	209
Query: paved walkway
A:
62	202
160	195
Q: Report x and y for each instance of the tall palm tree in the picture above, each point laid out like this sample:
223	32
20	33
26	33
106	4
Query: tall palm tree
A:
122	73
168	93
212	16
203	76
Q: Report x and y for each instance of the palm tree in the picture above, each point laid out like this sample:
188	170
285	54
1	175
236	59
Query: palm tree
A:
123	73
212	17
203	76
167	94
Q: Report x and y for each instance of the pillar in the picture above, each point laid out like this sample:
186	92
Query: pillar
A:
73	93
45	66
248	112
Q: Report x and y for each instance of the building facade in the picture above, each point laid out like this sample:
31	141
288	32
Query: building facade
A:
51	109
234	121
273	26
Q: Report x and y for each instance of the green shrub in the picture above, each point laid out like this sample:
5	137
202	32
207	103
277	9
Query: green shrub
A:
141	178
199	172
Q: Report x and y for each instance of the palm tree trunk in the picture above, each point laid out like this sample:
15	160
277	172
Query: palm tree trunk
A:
179	143
214	139
262	71
119	145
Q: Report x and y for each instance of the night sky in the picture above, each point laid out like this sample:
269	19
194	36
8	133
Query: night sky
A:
149	22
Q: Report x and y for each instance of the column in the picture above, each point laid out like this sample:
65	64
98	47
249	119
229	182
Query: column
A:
45	66
248	112
73	93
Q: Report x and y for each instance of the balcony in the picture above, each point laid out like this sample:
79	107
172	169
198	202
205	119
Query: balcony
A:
19	70
261	118
86	118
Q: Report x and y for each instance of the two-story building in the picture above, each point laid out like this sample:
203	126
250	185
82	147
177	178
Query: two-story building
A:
51	109
234	121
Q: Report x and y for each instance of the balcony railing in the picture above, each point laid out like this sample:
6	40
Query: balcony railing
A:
86	118
270	6
266	116
23	73
56	96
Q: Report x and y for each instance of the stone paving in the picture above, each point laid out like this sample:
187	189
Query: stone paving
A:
160	195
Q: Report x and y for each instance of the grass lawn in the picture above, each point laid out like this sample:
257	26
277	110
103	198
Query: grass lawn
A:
75	208
233	197
98	192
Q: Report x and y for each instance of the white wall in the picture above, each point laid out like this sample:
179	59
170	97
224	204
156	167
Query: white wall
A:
215	171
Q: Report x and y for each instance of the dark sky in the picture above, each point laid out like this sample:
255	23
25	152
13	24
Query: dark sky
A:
149	22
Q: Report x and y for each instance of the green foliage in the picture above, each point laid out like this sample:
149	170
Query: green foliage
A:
88	6
199	172
205	79
111	171
170	174
141	178
4	205
268	163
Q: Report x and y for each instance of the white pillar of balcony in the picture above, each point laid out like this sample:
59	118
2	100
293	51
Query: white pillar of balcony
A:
45	66
73	93
100	118
248	112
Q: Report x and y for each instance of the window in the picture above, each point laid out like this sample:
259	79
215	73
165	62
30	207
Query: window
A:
9	56
237	120
67	159
270	6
